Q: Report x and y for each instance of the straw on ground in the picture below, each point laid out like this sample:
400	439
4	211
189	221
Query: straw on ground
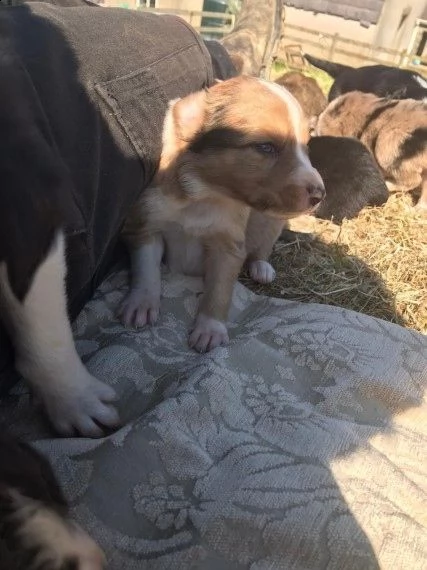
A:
375	264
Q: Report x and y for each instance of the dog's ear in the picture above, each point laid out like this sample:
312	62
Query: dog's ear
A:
189	115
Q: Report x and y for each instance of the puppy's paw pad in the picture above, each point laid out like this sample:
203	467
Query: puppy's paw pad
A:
139	310
261	271
207	334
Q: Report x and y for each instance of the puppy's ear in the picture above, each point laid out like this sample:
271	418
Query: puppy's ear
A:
189	115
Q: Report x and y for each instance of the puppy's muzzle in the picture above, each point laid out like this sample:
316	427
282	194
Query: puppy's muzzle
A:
316	193
311	180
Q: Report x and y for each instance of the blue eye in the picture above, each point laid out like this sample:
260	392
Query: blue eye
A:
266	148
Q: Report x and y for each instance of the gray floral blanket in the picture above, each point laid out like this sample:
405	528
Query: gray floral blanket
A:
300	446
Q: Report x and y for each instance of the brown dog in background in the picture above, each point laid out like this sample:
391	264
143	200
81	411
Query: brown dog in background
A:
234	166
307	92
394	131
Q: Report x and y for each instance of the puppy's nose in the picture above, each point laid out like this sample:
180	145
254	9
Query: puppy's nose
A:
316	193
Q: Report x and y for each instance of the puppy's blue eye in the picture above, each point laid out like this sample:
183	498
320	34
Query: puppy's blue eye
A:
266	148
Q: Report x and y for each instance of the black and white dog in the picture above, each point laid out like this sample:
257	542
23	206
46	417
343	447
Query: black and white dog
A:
381	80
81	122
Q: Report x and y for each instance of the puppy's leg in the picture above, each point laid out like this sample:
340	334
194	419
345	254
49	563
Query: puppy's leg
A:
262	233
45	352
142	303
222	267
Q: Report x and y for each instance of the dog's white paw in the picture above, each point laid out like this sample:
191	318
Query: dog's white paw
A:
83	404
261	271
140	308
207	334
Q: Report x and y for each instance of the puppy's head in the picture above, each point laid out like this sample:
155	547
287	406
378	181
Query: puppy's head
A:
246	138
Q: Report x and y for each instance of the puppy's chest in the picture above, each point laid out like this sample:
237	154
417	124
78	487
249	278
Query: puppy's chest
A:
183	253
186	226
198	219
183	228
184	238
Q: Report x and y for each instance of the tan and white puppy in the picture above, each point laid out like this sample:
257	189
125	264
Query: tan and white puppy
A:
234	166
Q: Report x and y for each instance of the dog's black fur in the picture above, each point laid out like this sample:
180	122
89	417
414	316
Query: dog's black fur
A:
80	137
381	80
36	529
221	62
33	179
352	178
27	472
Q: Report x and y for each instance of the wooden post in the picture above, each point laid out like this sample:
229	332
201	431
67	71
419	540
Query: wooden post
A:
413	39
275	33
402	57
332	47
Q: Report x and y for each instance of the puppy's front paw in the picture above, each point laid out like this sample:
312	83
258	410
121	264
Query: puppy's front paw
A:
261	271
140	309
82	405
207	334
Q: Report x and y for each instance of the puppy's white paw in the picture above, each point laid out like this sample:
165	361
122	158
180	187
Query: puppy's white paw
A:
140	308
82	404
261	271
207	334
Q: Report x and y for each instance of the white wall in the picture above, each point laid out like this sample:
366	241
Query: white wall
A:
196	5
392	32
330	24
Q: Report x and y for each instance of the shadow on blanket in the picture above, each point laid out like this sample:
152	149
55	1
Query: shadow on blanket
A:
310	269
295	447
